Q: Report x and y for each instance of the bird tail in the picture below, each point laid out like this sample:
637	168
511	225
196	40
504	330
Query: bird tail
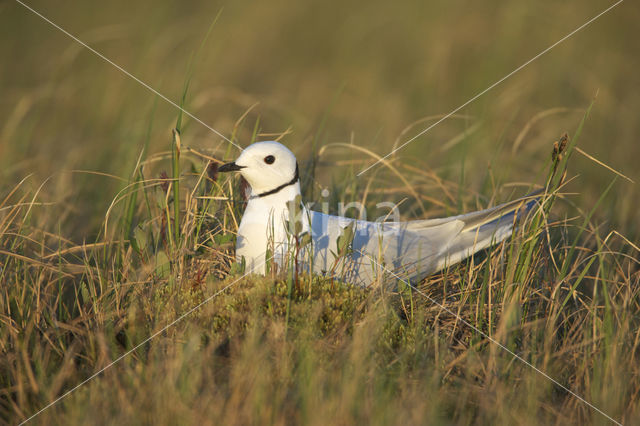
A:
486	227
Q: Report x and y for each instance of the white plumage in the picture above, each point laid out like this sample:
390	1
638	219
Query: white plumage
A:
410	249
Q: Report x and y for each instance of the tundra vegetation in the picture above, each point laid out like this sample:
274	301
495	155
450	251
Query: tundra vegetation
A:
118	280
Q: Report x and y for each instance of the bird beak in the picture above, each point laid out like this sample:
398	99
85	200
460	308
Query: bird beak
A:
230	167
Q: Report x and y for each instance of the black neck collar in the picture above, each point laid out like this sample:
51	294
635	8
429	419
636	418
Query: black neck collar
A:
295	179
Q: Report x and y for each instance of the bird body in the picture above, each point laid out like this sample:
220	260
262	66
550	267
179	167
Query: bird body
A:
264	223
412	249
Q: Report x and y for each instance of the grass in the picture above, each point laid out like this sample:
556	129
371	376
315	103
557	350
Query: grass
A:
560	294
92	263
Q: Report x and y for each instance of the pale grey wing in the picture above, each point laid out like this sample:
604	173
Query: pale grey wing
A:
411	249
325	230
379	248
505	211
478	218
412	253
479	230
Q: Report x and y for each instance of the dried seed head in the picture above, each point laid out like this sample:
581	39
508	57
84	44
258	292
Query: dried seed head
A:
559	147
563	142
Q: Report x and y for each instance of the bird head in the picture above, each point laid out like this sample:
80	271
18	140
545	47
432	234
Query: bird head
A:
267	166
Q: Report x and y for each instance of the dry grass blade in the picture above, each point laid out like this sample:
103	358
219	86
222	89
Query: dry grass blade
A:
595	160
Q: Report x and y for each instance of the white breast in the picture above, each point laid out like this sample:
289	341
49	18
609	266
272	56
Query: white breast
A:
264	227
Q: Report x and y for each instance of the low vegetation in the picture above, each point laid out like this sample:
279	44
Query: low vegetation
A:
120	297
177	334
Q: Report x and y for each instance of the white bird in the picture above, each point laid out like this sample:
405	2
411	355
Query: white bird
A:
412	249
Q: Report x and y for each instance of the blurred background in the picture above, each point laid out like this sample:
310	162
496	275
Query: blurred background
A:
370	74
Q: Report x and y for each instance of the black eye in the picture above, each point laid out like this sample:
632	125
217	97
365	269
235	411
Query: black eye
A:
269	159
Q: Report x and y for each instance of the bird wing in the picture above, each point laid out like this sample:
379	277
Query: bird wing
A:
413	249
475	219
